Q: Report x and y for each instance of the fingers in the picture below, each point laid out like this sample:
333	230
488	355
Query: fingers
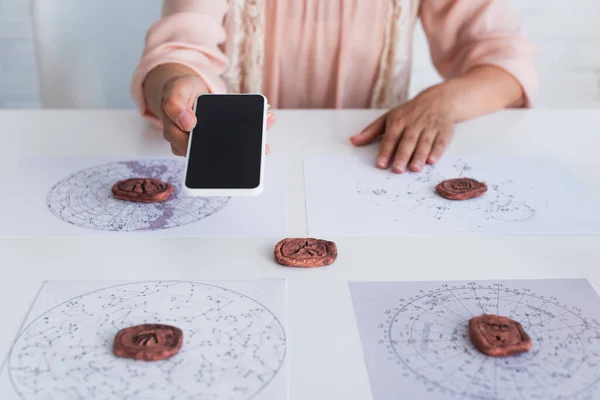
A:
270	120
440	143
370	133
423	149
176	137
176	151
394	128
406	148
179	95
179	112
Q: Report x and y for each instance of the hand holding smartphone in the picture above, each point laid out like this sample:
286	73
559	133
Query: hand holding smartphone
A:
225	155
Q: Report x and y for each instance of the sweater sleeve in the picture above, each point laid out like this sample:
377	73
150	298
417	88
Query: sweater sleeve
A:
464	34
189	33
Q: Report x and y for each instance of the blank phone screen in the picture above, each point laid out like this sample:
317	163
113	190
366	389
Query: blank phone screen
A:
226	144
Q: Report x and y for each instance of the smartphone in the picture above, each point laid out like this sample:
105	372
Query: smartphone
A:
226	149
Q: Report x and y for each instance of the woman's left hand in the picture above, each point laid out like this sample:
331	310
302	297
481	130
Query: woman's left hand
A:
415	133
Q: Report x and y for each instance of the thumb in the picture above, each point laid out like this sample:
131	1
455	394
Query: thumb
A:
179	98
370	133
179	111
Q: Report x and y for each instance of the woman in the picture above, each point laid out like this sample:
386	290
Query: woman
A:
339	54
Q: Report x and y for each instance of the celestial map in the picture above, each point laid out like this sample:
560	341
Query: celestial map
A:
233	346
85	199
506	200
426	335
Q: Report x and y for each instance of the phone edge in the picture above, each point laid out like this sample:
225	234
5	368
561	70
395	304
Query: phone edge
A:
230	192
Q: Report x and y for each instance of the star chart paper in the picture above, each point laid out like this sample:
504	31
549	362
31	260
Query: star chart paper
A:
416	342
72	197
530	196
234	342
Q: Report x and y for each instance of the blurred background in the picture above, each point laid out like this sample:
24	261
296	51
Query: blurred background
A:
81	53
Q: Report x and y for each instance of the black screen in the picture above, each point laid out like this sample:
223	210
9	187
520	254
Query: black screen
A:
226	147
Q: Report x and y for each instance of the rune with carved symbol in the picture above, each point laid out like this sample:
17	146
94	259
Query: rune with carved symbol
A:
148	342
461	189
498	336
143	190
305	253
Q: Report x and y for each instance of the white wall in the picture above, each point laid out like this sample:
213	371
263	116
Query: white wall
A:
18	77
88	50
568	34
566	31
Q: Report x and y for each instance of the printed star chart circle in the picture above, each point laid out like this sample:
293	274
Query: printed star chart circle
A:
506	200
428	336
85	199
233	346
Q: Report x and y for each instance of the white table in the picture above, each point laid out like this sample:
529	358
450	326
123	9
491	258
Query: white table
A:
324	346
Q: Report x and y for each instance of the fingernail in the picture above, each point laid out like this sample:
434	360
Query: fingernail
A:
186	120
432	159
417	165
270	116
382	162
398	168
